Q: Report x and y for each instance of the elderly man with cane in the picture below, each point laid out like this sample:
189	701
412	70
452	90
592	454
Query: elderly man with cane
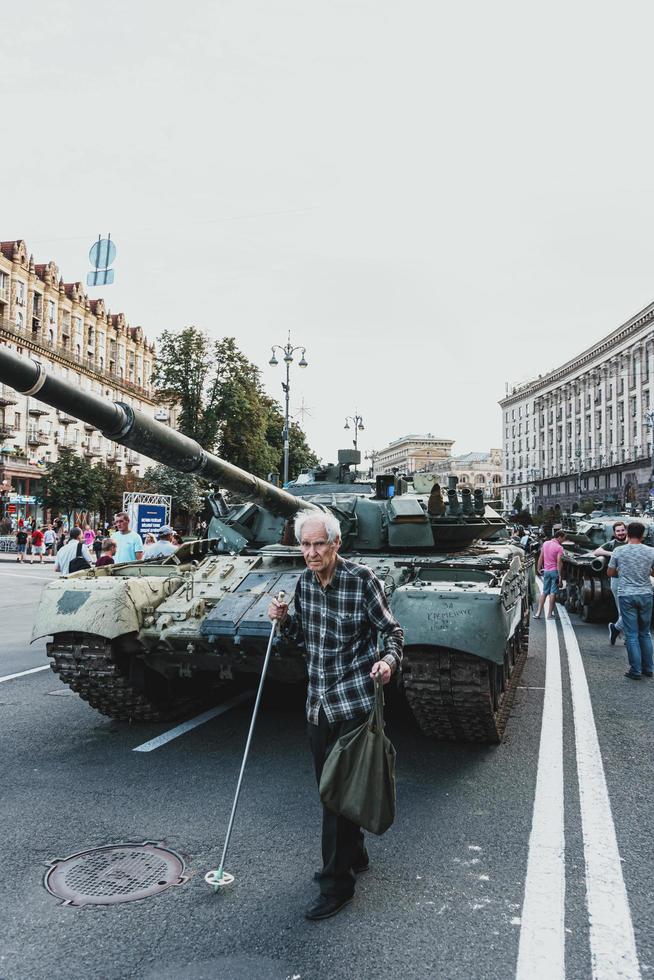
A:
340	610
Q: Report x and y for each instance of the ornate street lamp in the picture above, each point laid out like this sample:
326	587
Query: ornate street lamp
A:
287	351
357	422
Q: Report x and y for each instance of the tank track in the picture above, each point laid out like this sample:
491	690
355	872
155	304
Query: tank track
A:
451	693
90	666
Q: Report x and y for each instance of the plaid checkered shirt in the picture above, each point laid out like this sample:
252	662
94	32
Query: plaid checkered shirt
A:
338	627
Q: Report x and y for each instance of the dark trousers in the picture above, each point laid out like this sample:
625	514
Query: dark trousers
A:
342	840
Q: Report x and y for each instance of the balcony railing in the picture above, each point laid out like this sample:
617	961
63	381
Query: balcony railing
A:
38	437
7	396
67	354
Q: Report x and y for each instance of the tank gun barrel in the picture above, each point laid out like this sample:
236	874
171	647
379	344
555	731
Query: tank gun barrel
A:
134	429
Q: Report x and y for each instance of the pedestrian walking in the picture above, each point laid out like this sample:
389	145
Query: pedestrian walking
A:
129	546
66	554
38	546
550	563
633	564
97	545
340	610
49	540
89	536
605	551
21	542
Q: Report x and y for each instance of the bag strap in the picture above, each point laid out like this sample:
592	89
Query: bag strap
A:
376	720
79	550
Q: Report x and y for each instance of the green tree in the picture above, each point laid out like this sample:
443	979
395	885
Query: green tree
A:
70	483
112	484
185	489
185	376
517	503
221	402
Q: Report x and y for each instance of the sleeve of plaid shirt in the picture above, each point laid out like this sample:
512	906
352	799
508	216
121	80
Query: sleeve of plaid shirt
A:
383	620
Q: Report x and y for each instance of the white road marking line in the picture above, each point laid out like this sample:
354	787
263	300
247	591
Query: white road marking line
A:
38	578
541	952
612	940
187	726
23	673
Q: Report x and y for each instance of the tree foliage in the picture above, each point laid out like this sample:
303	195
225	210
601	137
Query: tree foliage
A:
221	403
185	489
70	483
185	375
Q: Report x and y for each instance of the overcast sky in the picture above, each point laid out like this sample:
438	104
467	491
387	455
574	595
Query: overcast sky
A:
435	198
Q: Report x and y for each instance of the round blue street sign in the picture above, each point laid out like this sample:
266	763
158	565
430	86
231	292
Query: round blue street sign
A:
102	253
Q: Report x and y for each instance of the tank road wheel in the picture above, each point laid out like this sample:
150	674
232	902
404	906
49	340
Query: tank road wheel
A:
460	697
115	681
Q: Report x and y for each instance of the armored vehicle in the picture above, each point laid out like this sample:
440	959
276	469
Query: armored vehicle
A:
145	640
587	586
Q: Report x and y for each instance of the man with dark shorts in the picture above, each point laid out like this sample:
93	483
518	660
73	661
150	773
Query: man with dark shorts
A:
22	534
340	609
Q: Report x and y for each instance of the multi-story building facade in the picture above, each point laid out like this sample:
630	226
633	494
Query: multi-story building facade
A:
79	340
411	453
474	470
583	432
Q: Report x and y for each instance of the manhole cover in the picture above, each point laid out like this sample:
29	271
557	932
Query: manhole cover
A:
115	873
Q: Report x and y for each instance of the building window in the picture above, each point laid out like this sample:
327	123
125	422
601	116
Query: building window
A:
19	319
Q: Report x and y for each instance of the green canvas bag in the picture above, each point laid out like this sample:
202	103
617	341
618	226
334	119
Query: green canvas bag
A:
358	777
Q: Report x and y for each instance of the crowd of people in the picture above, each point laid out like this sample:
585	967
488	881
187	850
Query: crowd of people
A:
84	547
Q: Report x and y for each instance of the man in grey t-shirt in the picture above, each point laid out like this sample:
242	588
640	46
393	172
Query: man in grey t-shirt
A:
633	564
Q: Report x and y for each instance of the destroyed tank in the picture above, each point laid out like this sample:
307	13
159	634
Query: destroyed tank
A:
146	640
587	589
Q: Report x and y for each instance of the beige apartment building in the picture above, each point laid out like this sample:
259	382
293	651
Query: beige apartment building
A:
411	453
583	432
79	340
477	470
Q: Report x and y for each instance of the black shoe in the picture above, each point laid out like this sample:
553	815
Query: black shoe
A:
614	633
647	673
326	906
632	677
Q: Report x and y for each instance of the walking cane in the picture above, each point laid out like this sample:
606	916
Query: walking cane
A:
221	878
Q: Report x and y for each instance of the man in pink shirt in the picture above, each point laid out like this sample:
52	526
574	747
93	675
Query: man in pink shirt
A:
550	563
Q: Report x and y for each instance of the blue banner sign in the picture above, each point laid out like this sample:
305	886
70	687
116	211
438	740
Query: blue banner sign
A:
149	518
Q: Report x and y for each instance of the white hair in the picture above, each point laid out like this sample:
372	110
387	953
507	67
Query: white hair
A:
332	526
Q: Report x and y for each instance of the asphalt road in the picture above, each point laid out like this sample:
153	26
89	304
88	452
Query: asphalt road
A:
460	887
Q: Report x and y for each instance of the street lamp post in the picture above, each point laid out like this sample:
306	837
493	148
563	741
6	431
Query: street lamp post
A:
648	418
357	422
372	457
287	350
